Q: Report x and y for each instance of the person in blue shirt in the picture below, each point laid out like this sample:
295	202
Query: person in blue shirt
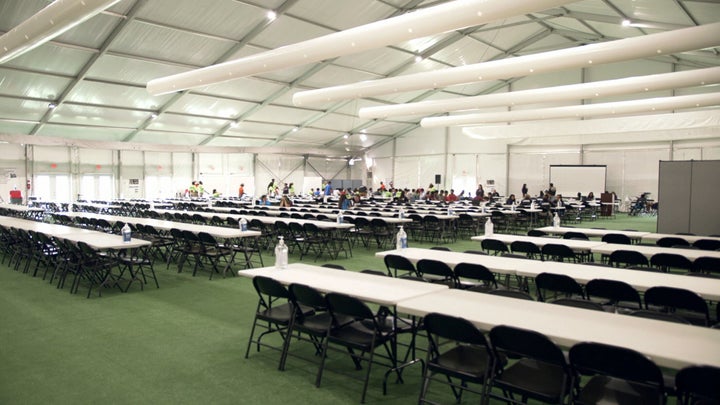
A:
328	188
264	200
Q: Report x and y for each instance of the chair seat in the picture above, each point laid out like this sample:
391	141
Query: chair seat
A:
534	378
279	314
464	362
356	335
608	390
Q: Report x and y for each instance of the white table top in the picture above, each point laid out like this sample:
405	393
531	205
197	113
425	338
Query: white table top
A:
654	237
367	287
640	280
272	220
20	208
649	251
217	231
96	240
668	344
578	245
592	232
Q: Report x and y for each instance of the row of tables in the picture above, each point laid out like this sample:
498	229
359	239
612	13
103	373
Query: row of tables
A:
668	344
599	247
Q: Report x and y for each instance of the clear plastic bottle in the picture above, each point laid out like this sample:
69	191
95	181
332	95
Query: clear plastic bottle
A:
401	239
281	254
489	227
401	214
340	217
243	224
126	233
556	221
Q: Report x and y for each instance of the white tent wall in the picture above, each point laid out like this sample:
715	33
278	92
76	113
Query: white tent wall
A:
159	175
131	169
12	170
95	174
52	177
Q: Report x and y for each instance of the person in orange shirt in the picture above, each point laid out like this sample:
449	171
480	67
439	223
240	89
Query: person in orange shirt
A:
451	197
241	190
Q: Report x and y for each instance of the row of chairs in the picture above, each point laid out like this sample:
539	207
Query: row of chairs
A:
514	365
660	302
334	321
508	364
59	259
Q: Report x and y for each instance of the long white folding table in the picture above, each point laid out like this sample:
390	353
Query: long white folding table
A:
649	251
635	236
574	244
669	344
97	240
654	237
640	280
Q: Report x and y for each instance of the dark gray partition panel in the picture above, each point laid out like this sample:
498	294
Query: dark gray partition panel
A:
688	194
705	197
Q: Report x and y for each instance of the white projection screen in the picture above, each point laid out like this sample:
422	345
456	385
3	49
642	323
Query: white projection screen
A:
569	180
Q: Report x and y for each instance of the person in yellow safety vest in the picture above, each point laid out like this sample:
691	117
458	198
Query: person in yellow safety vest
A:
193	189
291	189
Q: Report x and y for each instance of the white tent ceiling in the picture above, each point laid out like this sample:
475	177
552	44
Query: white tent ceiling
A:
95	73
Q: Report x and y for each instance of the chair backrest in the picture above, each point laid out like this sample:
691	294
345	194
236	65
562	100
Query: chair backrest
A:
696	384
617	238
342	304
558	283
523	246
536	232
306	295
677	298
374	272
556	251
474	271
454	328
436	268
670	241
590	358
614	290
666	261
706	264
441	248
517	342
494	245
397	262
575	235
269	289
627	258
707	244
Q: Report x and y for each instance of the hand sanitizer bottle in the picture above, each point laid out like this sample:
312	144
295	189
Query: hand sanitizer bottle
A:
243	224
401	214
401	239
489	227
281	254
126	233
340	217
556	221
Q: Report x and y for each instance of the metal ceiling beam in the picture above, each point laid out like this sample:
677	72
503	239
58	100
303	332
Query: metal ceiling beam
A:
83	72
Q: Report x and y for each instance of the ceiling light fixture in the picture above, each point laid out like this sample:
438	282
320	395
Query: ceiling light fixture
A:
420	23
686	39
626	23
52	106
585	110
48	23
580	91
153	116
271	15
